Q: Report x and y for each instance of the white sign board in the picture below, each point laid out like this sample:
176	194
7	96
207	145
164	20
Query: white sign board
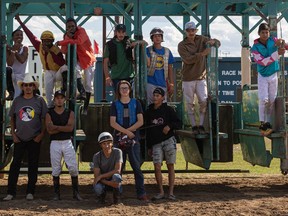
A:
35	66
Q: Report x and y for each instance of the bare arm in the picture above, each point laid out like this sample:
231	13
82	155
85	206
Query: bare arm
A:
22	58
98	177
14	136
170	78
54	129
106	72
40	136
119	128
138	123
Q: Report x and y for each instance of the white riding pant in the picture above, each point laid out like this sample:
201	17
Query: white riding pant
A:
59	148
190	88
267	92
50	78
88	77
16	78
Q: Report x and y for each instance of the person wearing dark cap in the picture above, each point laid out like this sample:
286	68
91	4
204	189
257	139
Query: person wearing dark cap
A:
27	115
85	58
161	122
118	55
107	169
52	60
193	51
60	125
160	65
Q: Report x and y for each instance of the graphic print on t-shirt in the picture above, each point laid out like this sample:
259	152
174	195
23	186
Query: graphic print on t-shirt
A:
26	113
160	63
158	121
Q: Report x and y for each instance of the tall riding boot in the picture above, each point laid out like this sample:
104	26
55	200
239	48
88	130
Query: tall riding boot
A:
56	183
86	103
76	194
64	81
9	83
116	196
101	198
81	90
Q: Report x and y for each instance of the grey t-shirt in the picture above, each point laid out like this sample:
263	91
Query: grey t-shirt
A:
28	114
107	164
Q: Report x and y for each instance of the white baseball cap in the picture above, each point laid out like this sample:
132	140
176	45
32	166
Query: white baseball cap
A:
105	136
190	25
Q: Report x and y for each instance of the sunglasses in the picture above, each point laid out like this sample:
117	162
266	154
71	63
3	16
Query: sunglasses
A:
28	84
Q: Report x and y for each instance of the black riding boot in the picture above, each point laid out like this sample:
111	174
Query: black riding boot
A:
76	194
56	183
81	90
9	83
101	198
116	196
64	81
86	103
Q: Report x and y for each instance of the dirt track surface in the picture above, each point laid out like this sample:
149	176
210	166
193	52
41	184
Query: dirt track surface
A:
197	194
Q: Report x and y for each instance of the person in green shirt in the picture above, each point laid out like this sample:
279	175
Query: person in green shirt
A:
118	56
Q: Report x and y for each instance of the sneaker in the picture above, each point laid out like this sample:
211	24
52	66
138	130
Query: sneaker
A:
195	130
29	196
172	197
143	198
158	197
201	130
9	197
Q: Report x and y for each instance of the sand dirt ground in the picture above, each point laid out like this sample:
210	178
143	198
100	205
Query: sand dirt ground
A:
197	194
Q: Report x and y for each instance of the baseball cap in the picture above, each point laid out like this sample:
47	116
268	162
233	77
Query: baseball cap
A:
120	27
59	92
190	25
105	136
159	91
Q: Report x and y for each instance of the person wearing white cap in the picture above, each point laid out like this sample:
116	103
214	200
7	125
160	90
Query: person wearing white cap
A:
107	169
193	51
60	124
27	115
160	65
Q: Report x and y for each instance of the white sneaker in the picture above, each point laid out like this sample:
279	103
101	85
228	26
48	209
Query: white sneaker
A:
8	197
29	196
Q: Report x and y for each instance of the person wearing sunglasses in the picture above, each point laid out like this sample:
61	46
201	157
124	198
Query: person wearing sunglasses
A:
27	116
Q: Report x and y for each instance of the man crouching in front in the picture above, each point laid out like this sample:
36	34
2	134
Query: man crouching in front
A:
107	169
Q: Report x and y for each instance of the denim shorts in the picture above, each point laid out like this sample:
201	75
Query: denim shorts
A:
165	150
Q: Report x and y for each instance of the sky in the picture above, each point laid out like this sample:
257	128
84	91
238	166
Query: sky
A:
220	28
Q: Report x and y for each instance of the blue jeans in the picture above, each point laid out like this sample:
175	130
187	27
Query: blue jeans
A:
100	188
135	162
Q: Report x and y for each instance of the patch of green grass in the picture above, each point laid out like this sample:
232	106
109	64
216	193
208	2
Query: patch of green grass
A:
237	164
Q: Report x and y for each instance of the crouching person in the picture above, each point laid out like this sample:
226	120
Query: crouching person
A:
60	125
107	169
